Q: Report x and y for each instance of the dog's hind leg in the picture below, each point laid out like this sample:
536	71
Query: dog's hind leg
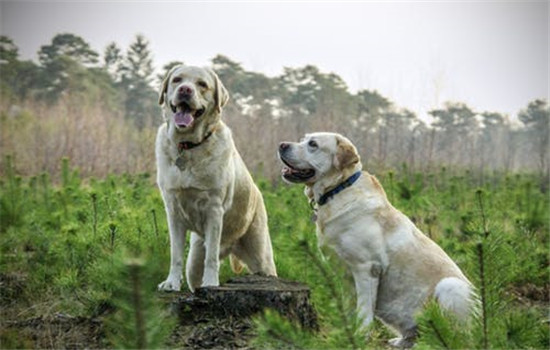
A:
212	241
254	247
407	339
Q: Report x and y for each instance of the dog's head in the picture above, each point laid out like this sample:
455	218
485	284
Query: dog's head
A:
190	95
318	156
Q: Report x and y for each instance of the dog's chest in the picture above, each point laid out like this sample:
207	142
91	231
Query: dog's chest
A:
195	206
350	233
197	171
207	166
343	244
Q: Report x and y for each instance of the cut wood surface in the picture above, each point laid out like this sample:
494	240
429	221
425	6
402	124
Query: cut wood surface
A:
215	317
244	296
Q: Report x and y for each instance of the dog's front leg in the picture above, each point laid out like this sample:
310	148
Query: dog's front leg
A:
366	278
177	231
212	240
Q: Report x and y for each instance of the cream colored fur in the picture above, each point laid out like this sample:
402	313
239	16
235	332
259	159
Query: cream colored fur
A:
210	191
396	268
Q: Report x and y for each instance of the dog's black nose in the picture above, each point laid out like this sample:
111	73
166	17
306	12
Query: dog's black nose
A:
283	146
186	91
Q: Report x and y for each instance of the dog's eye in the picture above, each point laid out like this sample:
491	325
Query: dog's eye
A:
176	80
202	84
312	144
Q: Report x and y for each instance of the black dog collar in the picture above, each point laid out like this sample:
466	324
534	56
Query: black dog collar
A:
187	145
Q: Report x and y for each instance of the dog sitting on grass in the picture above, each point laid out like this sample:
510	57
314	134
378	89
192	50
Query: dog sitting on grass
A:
395	267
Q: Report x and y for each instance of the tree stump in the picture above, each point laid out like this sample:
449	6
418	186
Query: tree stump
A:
220	316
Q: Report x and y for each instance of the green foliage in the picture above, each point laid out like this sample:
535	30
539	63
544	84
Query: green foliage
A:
136	79
11	206
72	241
440	330
494	265
139	320
277	332
16	77
64	61
455	117
67	45
64	235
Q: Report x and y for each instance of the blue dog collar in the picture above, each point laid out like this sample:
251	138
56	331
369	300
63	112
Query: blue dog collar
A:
347	183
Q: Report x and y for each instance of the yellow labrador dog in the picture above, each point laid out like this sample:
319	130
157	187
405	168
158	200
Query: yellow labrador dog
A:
205	184
396	268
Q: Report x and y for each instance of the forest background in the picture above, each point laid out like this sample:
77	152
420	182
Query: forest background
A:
101	111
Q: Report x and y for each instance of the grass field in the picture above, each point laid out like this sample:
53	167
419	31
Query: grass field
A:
69	251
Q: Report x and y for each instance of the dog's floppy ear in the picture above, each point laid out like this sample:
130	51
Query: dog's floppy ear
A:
346	154
164	85
221	96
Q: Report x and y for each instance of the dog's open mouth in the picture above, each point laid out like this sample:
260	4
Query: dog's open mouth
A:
184	115
293	174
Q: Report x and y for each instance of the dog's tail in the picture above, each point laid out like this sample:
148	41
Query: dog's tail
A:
236	265
456	295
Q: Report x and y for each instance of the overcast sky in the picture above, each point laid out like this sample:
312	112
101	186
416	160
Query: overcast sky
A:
492	55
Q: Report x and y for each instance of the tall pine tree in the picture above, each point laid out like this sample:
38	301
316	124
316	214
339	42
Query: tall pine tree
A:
137	79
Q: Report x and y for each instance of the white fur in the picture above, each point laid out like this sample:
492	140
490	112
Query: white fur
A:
210	192
396	268
455	295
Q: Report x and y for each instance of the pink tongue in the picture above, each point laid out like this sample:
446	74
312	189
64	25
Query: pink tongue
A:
183	119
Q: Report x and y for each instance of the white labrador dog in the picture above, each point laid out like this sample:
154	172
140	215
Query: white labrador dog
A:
396	268
205	184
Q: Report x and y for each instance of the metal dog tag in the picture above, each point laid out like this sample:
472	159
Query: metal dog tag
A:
314	217
180	163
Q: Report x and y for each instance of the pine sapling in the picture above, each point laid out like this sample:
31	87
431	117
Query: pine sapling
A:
141	320
93	196
483	296
331	284
112	236
155	224
134	267
437	333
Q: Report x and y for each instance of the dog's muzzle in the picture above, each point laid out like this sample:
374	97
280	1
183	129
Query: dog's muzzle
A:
290	172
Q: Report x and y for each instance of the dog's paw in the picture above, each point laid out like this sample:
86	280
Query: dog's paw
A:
210	281
401	343
210	284
170	285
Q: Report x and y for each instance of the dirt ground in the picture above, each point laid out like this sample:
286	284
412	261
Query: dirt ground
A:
213	318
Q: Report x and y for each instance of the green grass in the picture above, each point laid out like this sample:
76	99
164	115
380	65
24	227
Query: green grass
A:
67	247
